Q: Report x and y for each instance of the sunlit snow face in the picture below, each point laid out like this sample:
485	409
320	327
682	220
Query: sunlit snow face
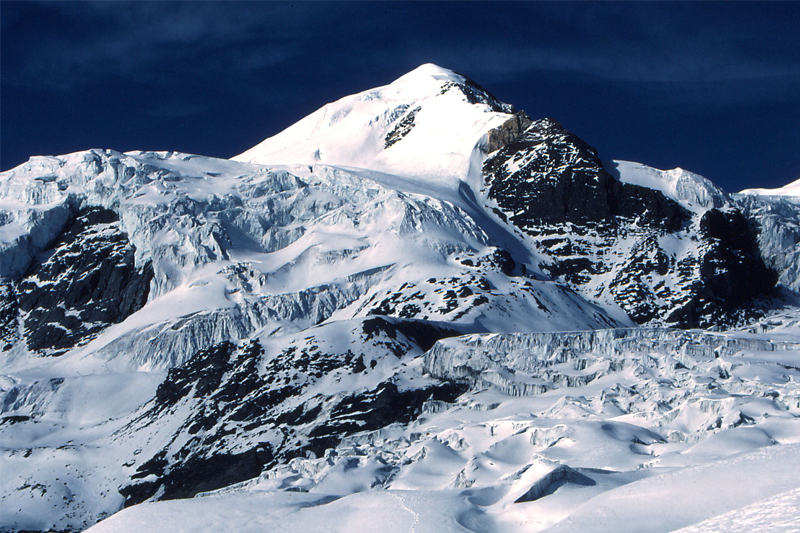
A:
426	126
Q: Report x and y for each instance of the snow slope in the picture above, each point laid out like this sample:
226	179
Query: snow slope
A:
426	125
659	503
778	513
693	495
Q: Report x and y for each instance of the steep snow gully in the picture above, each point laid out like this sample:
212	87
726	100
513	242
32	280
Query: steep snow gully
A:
416	309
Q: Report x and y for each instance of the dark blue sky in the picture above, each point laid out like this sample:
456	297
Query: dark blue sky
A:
713	87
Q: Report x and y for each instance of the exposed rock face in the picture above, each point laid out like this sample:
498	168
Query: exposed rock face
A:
623	243
550	176
731	272
9	327
88	282
201	380
507	133
631	287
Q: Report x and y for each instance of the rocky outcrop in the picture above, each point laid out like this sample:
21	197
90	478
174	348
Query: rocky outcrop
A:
507	133
475	94
401	129
89	281
550	176
9	327
624	244
732	273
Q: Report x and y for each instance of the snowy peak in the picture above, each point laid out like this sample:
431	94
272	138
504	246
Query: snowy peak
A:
440	80
428	71
692	191
426	124
790	190
423	81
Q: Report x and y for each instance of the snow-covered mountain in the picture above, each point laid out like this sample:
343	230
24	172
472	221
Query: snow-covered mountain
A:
416	301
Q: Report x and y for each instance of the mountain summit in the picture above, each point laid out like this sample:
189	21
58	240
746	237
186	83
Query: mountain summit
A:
416	302
426	124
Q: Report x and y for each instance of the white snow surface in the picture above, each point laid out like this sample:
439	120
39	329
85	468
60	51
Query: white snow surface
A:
351	132
790	190
657	502
779	513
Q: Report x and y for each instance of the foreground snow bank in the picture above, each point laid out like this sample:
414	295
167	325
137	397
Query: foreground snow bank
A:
691	495
364	512
658	503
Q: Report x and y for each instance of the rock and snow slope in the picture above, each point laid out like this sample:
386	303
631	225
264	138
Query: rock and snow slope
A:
285	328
